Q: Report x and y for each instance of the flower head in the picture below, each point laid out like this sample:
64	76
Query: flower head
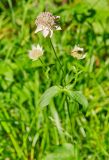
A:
78	52
36	52
46	23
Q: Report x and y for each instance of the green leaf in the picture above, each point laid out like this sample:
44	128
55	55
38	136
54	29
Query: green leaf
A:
54	90
78	97
48	95
64	152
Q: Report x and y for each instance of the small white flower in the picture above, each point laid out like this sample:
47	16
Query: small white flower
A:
78	52
36	52
46	23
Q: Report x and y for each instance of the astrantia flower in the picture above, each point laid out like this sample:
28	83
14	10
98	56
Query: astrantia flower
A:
36	52
78	52
46	23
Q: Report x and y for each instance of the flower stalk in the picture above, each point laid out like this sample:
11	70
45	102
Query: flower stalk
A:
57	58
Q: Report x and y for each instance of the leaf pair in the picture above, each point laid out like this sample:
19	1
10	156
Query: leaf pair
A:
54	90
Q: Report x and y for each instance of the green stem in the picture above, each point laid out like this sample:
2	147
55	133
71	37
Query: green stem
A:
64	81
41	60
57	59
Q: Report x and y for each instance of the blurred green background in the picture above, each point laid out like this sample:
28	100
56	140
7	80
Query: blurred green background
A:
28	132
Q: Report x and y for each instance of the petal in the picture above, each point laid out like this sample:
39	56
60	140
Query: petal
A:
45	32
51	33
77	48
83	56
78	55
39	28
58	28
39	47
57	17
31	56
33	47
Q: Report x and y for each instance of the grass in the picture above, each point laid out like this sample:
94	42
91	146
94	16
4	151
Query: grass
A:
41	118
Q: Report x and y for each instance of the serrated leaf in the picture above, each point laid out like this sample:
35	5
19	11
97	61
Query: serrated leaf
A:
48	95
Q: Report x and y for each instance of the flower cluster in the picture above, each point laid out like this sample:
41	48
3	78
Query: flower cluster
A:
78	52
36	52
46	23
